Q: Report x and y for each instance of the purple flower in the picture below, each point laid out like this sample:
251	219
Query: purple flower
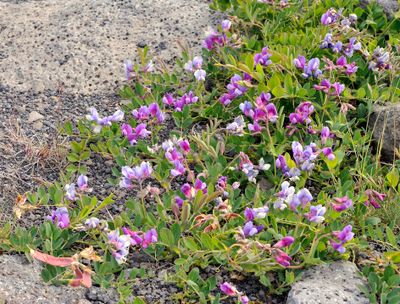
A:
128	67
263	58
327	43
190	192
263	100
312	68
186	99
92	223
351	47
300	62
302	197
280	163
284	196
244	299
342	203
302	113
380	60
284	242
149	67
179	201
316	214
331	16
343	237
337	47
272	113
254	128
328	153
249	229
82	182
150	237
228	289
70	192
60	217
226	25
214	39
106	121
247	108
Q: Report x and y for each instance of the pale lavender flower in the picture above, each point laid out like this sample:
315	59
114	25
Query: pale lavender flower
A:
316	214
60	217
226	25
330	16
92	223
351	47
138	173
247	108
70	192
120	246
311	69
135	238
128	67
200	75
255	213
82	182
178	169
300	62
237	127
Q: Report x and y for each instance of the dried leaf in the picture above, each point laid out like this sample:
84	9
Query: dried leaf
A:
52	260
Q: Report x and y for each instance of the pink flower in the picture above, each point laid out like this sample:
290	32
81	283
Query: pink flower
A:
281	257
228	289
342	203
284	242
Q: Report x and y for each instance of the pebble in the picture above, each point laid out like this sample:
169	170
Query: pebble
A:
34	116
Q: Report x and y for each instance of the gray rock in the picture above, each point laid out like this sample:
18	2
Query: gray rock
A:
20	282
34	116
385	123
334	283
389	6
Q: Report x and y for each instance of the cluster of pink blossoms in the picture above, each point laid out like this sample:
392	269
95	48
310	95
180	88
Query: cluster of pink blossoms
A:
264	111
178	104
175	153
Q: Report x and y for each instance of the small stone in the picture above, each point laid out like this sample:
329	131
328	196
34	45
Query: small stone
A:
38	125
34	116
336	283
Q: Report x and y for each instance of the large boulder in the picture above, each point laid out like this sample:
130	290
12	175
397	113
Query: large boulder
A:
385	123
336	283
389	6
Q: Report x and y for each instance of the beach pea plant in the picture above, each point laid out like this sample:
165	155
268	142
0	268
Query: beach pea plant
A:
253	156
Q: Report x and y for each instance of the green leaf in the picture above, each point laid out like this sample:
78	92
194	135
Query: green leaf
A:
391	237
167	237
393	256
393	177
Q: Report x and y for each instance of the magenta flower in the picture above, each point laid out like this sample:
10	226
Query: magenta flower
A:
168	99
373	197
244	299
254	128
82	182
228	289
179	201
263	58
184	145
135	239
190	192
214	39
342	203
342	237
60	217
302	113
325	86
281	257
284	242
338	88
